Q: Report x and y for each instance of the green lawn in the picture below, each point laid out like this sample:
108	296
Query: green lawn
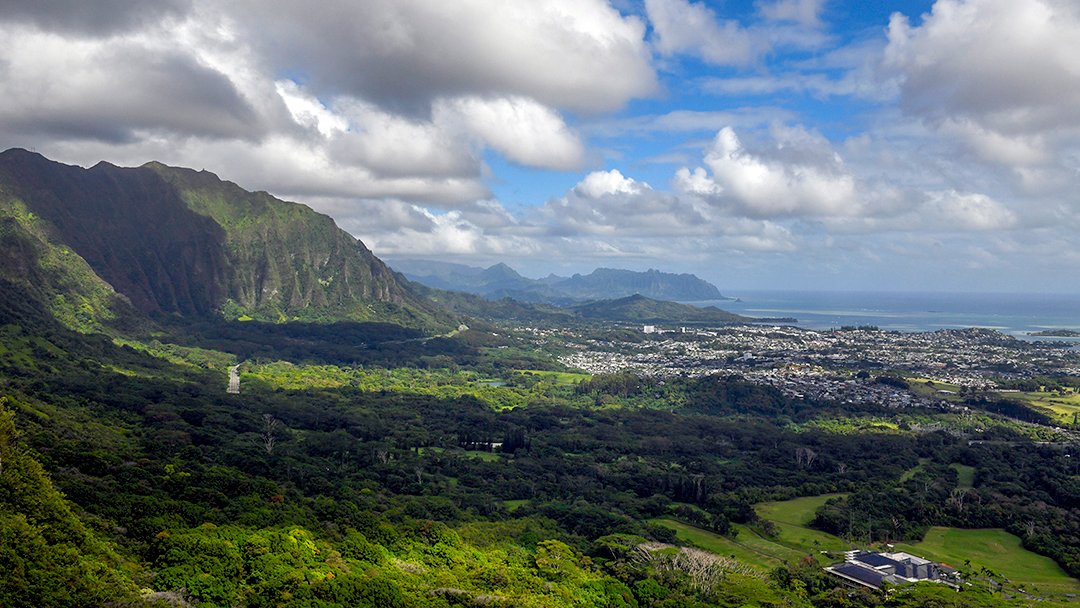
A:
966	475
563	378
791	518
928	387
794	540
1059	407
797	511
997	550
735	549
908	474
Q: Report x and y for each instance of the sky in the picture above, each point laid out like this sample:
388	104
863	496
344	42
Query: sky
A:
760	144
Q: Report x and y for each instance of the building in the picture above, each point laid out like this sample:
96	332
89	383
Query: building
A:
875	570
234	380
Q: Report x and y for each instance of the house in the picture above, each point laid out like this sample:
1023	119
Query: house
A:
875	570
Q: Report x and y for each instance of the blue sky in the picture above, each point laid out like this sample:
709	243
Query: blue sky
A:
814	144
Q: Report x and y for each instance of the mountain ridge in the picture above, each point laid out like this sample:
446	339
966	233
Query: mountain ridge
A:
499	281
176	241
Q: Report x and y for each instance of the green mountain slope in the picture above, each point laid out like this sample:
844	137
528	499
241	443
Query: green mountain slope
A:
615	283
47	555
177	241
640	309
54	275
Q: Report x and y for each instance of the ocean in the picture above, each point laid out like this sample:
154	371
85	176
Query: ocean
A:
1014	313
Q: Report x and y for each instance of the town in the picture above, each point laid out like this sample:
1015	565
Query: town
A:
833	365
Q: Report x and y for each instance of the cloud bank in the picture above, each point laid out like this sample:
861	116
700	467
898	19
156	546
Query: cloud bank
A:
770	142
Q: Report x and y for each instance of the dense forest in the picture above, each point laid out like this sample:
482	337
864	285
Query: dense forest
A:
364	465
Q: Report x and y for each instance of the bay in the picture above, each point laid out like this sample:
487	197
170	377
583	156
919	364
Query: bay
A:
1013	313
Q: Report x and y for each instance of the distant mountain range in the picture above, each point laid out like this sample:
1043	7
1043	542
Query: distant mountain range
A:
501	281
631	309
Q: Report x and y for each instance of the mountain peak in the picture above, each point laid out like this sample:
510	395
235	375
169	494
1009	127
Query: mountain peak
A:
502	271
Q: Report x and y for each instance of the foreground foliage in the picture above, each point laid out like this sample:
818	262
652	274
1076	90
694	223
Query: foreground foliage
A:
355	482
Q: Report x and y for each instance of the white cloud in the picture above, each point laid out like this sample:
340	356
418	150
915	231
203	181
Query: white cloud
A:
683	27
523	130
392	227
192	84
801	175
680	26
117	90
968	211
805	12
308	111
1002	74
601	183
578	54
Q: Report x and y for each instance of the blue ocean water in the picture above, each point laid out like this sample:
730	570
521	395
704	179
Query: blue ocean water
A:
1014	313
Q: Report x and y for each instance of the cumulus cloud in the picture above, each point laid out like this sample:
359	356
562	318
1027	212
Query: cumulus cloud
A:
1001	73
968	211
404	54
521	129
605	215
606	202
602	183
101	17
396	227
683	27
90	89
680	26
799	175
405	109
805	12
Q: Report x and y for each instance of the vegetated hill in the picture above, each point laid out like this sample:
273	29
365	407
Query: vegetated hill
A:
615	283
52	275
480	308
51	558
639	309
174	240
500	281
632	309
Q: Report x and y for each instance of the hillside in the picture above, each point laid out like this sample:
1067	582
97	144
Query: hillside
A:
175	241
501	281
639	309
615	283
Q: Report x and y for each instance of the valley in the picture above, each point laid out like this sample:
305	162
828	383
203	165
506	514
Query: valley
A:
280	419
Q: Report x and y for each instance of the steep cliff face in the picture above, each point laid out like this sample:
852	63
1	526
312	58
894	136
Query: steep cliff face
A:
284	258
130	226
174	240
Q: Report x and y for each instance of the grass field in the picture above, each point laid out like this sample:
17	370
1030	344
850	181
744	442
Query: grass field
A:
966	475
792	517
908	474
1060	407
564	378
928	387
747	548
794	540
991	548
1000	552
797	511
514	505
